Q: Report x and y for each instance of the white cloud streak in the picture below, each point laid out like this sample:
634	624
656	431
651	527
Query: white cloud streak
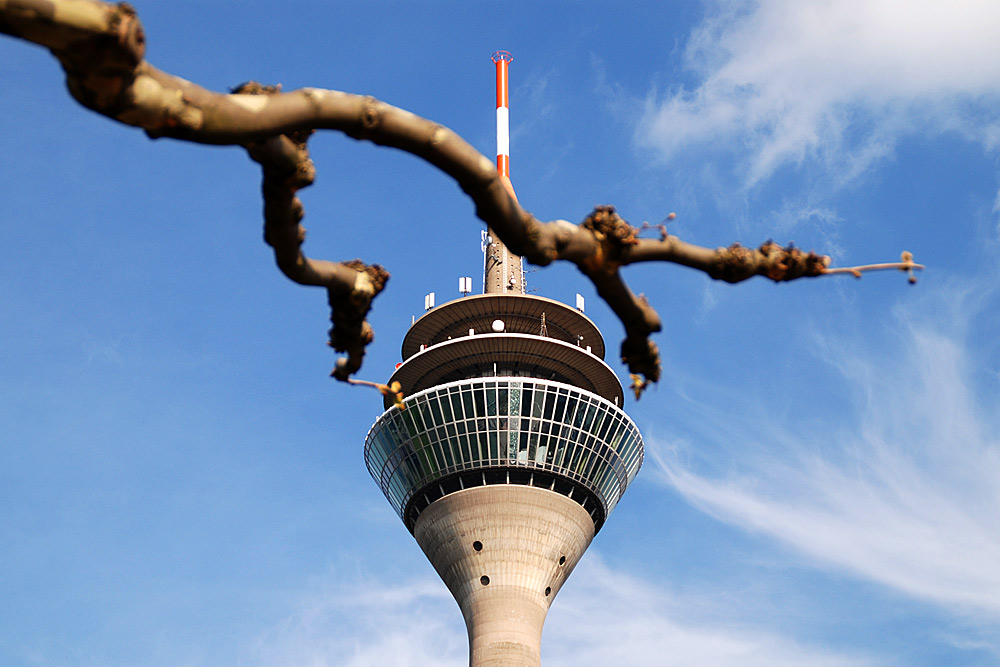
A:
355	620
912	498
604	618
612	618
785	81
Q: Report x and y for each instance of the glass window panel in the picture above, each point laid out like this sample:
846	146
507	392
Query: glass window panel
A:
456	448
494	447
428	410
482	443
572	457
444	454
594	464
408	470
601	480
546	447
451	444
423	418
390	426
446	411
408	425
491	400
470	410
514	436
480	400
580	466
455	399
551	449
628	448
469	448
515	398
537	403
503	399
421	440
436	410
620	475
561	431
571	410
395	488
377	448
608	422
386	439
413	416
383	463
550	405
557	448
615	436
427	462
602	450
560	407
595	426
628	445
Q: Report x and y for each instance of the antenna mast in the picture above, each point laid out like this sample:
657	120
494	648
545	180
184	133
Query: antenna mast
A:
502	270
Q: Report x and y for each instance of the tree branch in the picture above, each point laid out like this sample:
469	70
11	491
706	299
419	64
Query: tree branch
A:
101	48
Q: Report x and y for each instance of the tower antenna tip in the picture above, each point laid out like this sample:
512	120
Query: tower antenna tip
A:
502	55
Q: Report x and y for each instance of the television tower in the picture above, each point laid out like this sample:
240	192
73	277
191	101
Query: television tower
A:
511	448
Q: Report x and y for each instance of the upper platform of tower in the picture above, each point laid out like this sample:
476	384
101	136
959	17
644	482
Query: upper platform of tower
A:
517	313
506	335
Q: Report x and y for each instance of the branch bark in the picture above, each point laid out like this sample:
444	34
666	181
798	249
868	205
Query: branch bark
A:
101	47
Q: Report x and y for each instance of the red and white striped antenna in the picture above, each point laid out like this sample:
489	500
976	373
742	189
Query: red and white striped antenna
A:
502	270
503	59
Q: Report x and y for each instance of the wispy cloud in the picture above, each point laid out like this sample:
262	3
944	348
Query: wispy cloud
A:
909	493
781	82
605	618
355	620
611	618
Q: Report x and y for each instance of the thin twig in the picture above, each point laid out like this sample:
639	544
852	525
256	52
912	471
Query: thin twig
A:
907	264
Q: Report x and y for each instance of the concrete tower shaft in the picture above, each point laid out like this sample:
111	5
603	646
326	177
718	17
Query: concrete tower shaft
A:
504	569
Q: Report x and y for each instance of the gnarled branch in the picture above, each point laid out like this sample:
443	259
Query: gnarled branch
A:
101	48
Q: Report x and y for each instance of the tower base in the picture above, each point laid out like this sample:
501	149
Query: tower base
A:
504	552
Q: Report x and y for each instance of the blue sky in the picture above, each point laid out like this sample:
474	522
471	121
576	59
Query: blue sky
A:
182	484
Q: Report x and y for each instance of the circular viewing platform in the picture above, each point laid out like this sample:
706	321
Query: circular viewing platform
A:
504	430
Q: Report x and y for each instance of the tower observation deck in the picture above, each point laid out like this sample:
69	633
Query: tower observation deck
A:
508	454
